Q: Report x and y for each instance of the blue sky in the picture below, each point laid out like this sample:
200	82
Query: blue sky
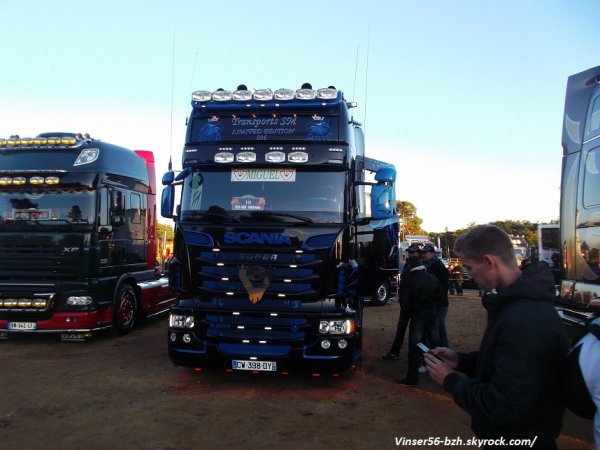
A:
464	97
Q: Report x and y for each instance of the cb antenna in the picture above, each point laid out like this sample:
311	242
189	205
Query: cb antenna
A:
172	95
367	80
355	70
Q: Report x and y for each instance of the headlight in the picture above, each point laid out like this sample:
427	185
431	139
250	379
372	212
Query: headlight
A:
79	301
181	321
336	326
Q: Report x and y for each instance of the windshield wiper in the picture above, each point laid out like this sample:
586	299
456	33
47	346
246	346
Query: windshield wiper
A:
212	215
279	214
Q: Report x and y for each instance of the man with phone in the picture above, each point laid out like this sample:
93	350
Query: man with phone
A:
512	387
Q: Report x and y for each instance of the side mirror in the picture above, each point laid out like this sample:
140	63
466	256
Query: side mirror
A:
168	178
183	174
167	201
382	202
386	175
117	201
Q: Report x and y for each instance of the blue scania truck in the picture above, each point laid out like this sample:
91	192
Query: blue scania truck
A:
282	227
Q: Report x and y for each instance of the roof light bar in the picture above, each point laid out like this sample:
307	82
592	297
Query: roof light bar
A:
243	94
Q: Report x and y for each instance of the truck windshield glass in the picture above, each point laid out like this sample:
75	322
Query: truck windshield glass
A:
47	207
259	194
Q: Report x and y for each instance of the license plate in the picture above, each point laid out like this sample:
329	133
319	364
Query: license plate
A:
21	325
263	366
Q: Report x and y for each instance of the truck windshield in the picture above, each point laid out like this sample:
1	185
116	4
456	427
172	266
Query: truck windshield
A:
48	208
266	195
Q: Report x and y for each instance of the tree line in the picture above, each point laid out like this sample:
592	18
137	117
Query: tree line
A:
411	225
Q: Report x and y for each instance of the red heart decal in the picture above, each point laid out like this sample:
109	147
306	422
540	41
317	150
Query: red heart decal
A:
240	174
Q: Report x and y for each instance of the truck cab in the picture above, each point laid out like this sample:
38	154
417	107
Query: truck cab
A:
278	232
579	301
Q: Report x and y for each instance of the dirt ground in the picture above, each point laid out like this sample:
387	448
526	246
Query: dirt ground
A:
124	393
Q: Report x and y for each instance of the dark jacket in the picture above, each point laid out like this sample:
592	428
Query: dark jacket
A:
512	389
418	291
439	270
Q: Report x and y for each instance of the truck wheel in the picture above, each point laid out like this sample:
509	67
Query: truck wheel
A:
382	294
125	309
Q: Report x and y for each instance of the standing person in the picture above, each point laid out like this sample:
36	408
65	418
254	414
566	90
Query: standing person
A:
512	389
456	273
436	267
419	292
404	318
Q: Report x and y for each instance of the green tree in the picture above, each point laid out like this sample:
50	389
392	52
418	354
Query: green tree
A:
410	222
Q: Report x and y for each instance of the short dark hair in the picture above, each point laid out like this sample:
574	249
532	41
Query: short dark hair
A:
483	240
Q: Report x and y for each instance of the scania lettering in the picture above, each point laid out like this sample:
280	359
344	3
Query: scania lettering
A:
257	238
282	228
77	237
579	301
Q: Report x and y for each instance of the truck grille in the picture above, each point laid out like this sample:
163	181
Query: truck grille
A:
292	278
36	260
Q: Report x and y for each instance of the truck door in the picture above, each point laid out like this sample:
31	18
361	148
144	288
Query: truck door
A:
136	218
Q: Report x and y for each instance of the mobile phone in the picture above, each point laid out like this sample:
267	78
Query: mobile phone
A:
423	348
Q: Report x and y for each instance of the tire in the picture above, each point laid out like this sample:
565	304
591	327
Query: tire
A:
382	295
126	308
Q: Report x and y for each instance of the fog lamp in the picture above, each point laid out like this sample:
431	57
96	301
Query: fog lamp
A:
221	96
187	338
189	322
224	157
246	157
201	96
275	157
325	344
342	343
327	93
242	95
263	95
83	300
298	157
